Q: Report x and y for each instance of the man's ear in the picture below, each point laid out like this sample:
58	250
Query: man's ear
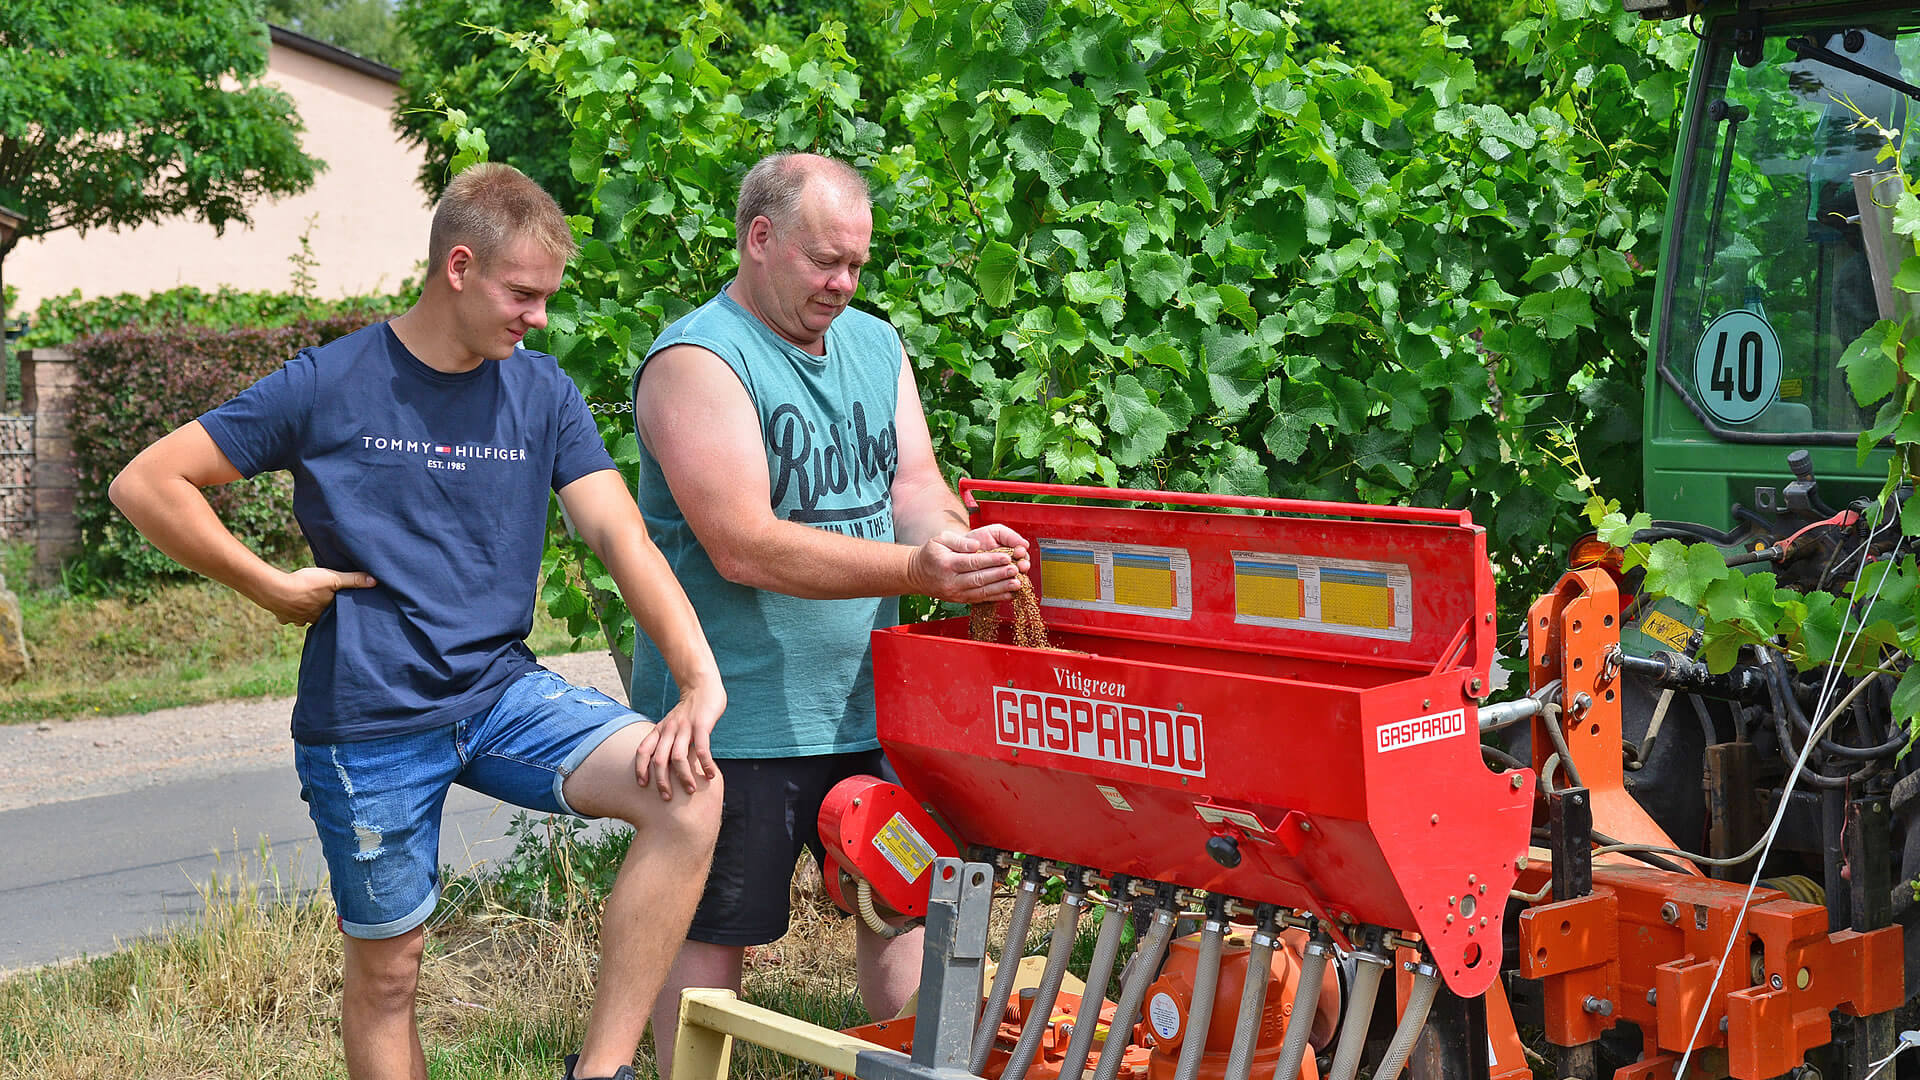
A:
461	263
759	235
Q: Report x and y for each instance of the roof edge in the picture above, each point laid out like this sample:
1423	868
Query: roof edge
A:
299	42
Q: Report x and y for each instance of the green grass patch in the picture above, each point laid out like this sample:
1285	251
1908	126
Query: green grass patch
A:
183	643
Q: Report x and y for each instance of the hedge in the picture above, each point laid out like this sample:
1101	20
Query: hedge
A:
133	386
60	320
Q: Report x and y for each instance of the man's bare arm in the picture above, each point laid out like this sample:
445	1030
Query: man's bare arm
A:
924	506
698	422
159	492
677	748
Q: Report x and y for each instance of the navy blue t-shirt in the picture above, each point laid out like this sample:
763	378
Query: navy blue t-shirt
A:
435	484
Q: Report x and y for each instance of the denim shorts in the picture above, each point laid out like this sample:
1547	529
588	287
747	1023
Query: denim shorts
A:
376	803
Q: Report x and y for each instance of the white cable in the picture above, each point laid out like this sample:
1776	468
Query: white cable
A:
1786	797
1907	1039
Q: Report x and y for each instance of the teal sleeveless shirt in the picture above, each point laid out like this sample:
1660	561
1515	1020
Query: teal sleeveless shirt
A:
798	675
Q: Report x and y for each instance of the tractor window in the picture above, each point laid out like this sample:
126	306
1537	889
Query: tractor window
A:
1770	224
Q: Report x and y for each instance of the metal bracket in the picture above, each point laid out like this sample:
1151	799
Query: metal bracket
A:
951	966
869	1066
1570	824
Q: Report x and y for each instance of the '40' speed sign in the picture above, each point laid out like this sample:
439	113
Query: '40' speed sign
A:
1736	369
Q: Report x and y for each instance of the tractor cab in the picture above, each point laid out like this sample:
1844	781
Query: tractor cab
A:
1775	258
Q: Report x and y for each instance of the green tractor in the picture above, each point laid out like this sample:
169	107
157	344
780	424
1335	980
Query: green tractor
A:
1774	261
1778	257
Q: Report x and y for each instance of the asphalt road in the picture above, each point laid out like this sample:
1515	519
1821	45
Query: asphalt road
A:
83	875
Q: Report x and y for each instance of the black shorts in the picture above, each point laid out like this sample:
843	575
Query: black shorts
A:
770	811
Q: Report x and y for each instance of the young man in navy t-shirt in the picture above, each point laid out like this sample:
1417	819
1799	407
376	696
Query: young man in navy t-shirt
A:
422	452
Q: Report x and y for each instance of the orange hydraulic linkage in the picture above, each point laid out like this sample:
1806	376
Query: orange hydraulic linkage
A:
1572	632
1644	945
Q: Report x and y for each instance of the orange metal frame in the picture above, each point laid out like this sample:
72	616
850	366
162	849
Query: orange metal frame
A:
1645	944
1570	631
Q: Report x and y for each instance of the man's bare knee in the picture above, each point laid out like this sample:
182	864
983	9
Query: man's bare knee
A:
385	974
690	821
687	823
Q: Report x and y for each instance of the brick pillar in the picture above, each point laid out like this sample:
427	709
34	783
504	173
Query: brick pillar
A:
46	390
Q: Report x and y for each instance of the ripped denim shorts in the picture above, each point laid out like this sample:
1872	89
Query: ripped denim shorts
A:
377	803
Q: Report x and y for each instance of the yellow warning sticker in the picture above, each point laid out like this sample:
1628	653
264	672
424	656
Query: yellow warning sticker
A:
903	846
1666	629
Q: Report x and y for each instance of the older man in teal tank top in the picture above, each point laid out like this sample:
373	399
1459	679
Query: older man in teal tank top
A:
789	479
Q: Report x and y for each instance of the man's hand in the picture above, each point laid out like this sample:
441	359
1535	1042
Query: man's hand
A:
303	595
677	748
966	568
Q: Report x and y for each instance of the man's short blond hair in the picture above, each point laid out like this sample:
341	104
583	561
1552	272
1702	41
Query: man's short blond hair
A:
772	188
489	206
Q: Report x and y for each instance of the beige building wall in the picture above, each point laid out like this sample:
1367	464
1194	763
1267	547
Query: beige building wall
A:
369	217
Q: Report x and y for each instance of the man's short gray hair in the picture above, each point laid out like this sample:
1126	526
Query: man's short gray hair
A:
772	188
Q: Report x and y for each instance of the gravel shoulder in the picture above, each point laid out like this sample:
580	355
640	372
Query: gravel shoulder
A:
61	760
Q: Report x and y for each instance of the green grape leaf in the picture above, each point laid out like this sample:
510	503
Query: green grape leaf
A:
1156	276
1239	474
1870	370
995	273
1821	628
1906	696
1908	279
1140	426
1684	571
1562	312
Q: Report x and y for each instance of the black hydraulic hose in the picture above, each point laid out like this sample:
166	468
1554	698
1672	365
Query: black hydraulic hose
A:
1708	731
1865	715
1785	715
1500	757
1688	676
1685	530
1603	840
1827	743
1788	711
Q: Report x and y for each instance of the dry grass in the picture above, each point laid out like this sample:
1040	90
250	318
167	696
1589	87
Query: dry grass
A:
176	645
243	990
251	989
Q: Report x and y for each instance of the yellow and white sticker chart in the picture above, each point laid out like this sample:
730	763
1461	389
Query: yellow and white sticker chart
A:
1335	596
1131	579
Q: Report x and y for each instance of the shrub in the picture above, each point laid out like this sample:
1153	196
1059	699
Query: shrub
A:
133	386
62	320
1149	246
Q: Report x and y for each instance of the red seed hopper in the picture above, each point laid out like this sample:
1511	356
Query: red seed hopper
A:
1276	704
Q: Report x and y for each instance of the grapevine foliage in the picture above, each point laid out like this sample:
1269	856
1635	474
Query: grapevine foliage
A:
1147	245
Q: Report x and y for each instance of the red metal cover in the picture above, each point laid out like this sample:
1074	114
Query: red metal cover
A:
879	833
1302	681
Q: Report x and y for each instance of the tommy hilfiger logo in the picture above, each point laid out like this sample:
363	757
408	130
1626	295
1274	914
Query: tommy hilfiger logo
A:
459	453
